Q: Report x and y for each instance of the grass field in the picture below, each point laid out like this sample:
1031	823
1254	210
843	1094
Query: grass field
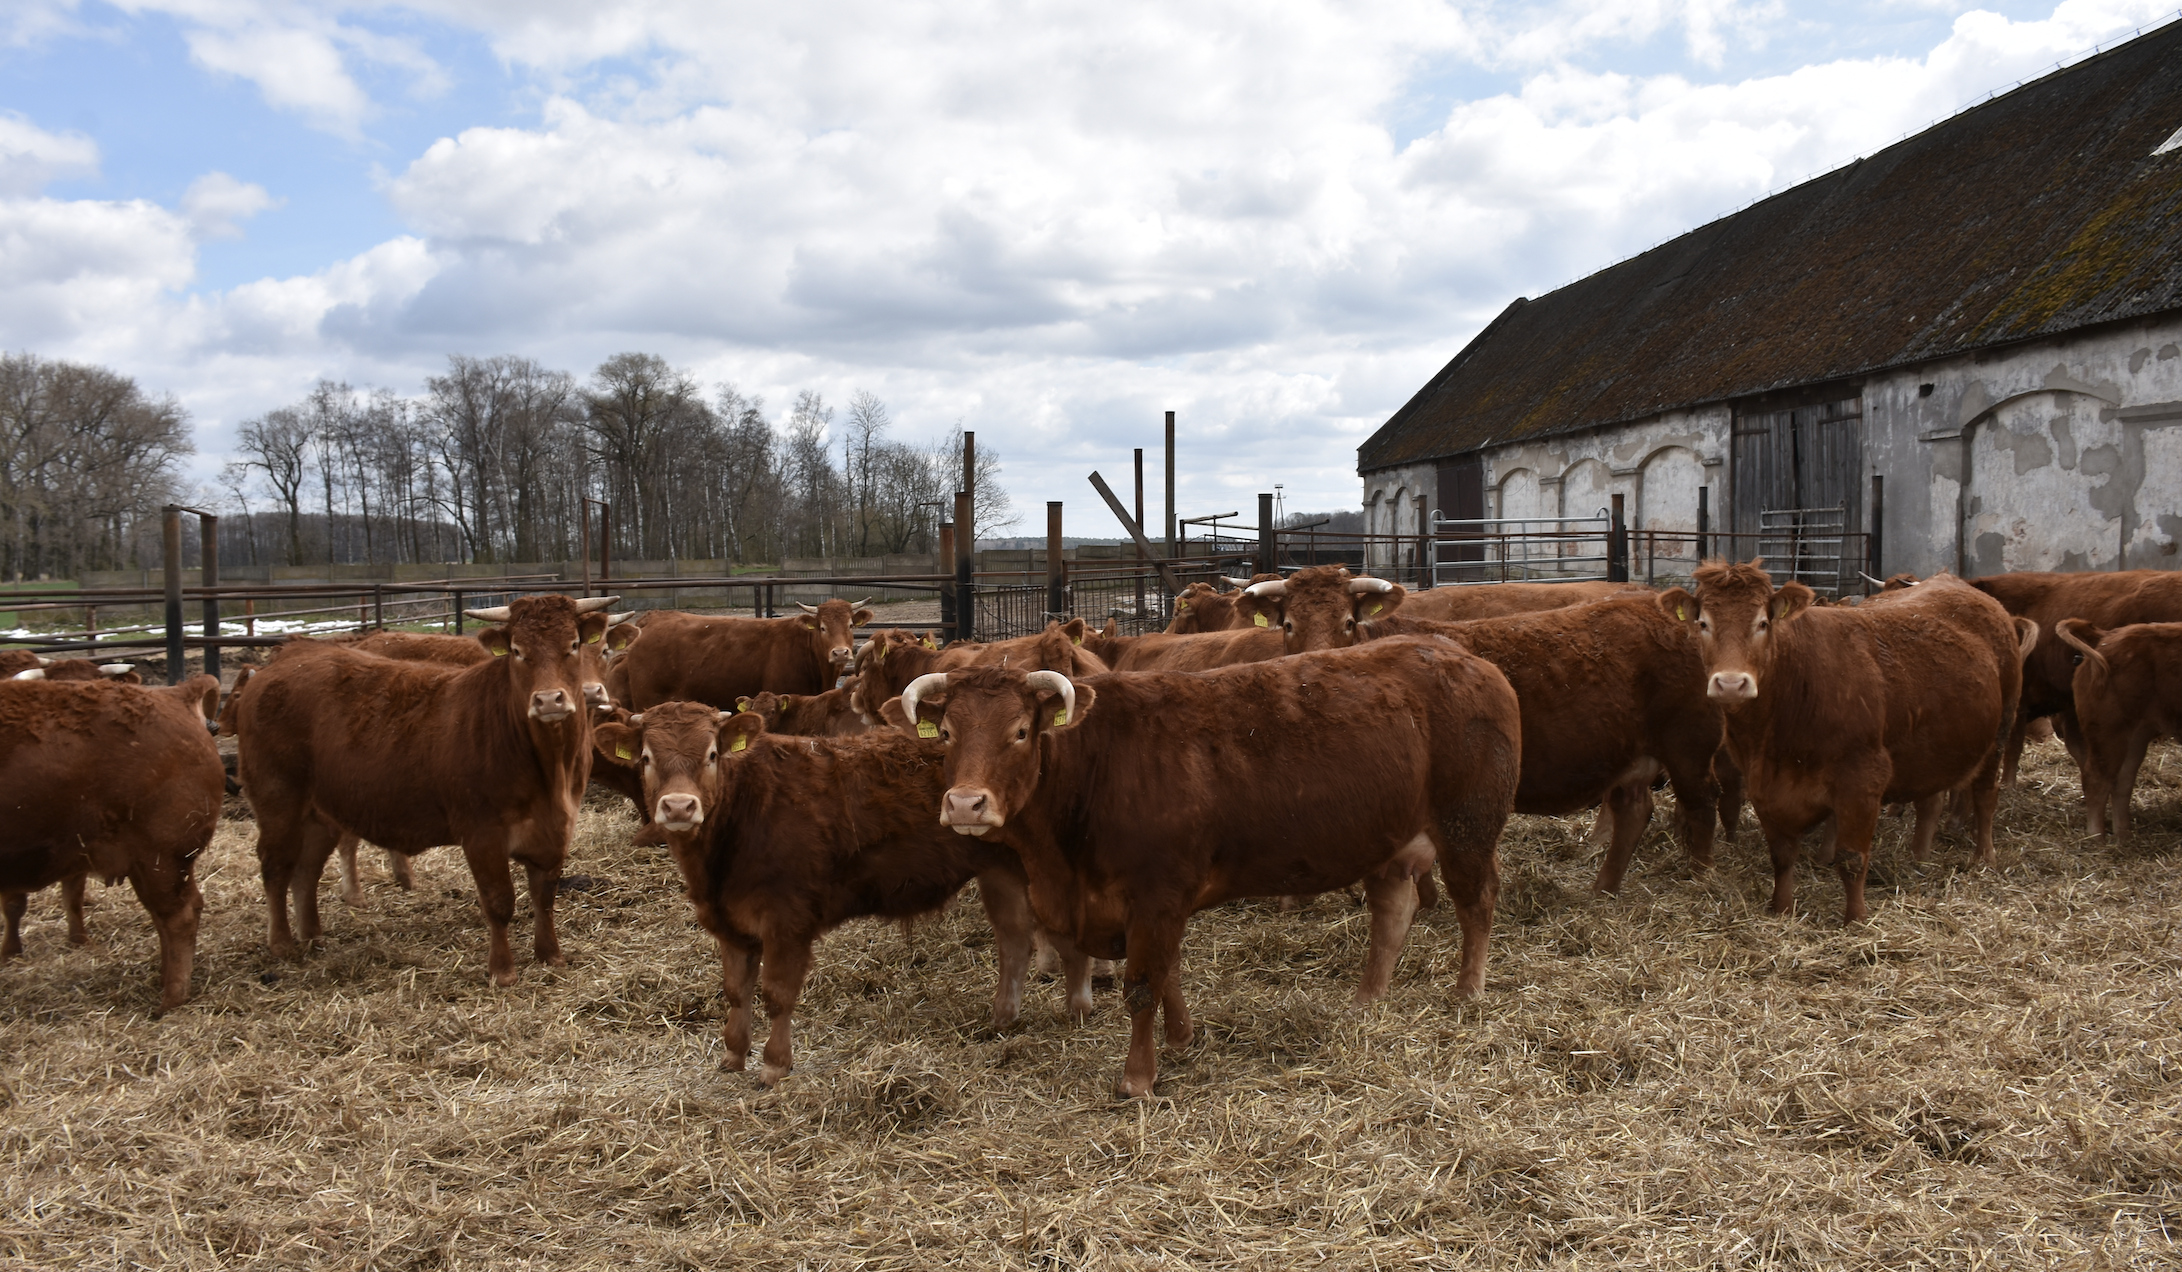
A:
1988	1074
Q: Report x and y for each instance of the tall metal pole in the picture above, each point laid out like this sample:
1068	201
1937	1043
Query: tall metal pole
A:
1617	546
1704	520
1170	485
965	564
947	590
1878	526
606	544
171	530
1268	547
1056	567
208	550
1140	521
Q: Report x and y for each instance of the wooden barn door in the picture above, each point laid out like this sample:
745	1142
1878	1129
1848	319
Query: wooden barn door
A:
1799	456
1461	498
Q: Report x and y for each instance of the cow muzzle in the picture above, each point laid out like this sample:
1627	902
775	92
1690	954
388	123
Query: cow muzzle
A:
967	810
596	697
679	812
551	706
1731	686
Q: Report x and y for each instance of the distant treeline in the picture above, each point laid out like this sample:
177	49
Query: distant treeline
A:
492	463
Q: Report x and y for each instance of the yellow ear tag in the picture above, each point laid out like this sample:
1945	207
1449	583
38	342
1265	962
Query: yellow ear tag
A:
1376	608
1075	640
1259	619
624	753
1060	718
1181	605
1682	612
742	743
742	704
593	640
927	729
498	653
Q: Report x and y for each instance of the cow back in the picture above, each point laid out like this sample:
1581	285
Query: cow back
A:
715	660
1498	600
2104	600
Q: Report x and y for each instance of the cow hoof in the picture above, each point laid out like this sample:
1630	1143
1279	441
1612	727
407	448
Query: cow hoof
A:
79	938
504	980
1133	1088
1178	1039
769	1076
732	1064
554	960
1004	1020
285	949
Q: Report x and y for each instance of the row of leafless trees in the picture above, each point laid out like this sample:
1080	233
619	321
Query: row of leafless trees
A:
499	459
86	461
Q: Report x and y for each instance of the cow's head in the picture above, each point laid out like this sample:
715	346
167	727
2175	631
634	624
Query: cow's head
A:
547	643
600	652
1739	616
676	747
833	641
1319	607
1201	607
993	721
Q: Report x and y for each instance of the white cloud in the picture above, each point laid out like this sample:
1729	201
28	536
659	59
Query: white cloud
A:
31	157
1052	230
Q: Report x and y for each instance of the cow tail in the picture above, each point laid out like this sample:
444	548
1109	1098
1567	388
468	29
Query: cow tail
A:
227	711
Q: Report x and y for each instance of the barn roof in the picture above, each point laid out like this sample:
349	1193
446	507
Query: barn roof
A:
2038	212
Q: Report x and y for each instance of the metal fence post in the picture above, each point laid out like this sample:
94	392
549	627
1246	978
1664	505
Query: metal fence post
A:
1878	525
1704	521
1617	546
208	553
171	533
458	613
947	566
1268	545
1056	568
965	565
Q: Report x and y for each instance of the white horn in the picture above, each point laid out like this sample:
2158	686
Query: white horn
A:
919	687
43	661
616	620
498	614
35	673
636	720
860	604
1270	590
808	609
1232	581
1366	587
1060	685
117	669
593	604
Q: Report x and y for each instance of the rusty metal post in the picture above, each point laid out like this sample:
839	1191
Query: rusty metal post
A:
1878	525
208	552
1704	520
1170	486
965	562
1056	567
1140	521
947	590
1268	543
171	534
1617	546
606	545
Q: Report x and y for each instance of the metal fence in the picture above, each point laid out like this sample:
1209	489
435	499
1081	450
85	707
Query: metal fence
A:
1471	551
1814	547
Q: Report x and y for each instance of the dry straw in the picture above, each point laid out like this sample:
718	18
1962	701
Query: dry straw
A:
1986	1075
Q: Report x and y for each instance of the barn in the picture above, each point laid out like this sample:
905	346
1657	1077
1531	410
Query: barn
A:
1985	317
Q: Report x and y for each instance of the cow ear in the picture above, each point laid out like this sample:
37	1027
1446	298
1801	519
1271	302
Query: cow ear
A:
1049	705
1790	599
592	628
1373	605
1679	605
495	641
736	734
618	743
622	635
809	620
925	726
1255	611
861	617
1075	628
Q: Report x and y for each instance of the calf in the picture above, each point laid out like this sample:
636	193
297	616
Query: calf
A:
71	811
1613	697
1138	800
704	658
781	840
2106	601
411	755
2128	690
1836	711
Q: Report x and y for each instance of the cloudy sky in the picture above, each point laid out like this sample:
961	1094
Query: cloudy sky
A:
1050	222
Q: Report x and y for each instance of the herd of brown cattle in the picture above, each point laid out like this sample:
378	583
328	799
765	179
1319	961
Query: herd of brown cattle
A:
1293	735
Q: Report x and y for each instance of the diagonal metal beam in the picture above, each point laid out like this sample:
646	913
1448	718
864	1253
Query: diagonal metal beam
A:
1136	532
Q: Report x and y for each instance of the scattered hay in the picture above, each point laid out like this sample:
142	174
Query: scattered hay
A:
1988	1073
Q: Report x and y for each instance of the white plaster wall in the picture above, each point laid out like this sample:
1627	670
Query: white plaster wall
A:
1518	495
2043	492
1670	478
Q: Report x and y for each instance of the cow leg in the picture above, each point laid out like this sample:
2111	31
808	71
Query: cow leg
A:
1696	807
1007	908
1786	848
1859	822
1180	1028
398	865
174	901
1928	827
1631	805
14	903
1076	968
2071	733
1731	794
2016	736
278	834
544	882
781	972
72	903
352	888
2125	784
1471	870
738	978
1155	944
317	843
1392	896
488	858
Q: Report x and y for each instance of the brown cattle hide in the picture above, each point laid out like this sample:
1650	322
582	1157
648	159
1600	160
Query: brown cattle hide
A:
714	659
890	660
2128	694
71	811
1136	800
1498	600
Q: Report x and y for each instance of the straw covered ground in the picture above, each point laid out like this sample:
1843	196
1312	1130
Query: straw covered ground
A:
1985	1075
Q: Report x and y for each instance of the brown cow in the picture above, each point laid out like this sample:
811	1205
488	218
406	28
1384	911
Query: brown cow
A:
2128	690
70	811
1200	651
1836	711
61	670
832	714
1202	607
2106	601
81	669
1498	600
1319	607
14	662
1137	800
781	840
411	755
1613	696
713	659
